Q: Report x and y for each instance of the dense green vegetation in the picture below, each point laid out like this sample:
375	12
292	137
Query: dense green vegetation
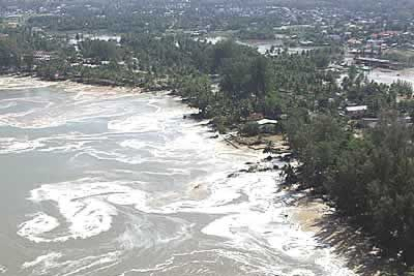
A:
251	83
368	177
17	48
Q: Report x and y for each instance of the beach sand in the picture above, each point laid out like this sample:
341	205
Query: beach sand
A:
337	232
18	83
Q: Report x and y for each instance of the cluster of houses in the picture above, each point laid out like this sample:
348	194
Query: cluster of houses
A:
371	49
358	114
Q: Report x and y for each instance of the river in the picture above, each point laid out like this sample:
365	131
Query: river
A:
110	182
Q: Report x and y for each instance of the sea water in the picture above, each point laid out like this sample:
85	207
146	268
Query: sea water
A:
106	182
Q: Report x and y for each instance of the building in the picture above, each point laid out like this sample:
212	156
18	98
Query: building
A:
377	62
356	111
264	122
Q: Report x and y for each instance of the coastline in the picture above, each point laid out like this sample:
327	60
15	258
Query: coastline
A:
312	214
309	213
15	82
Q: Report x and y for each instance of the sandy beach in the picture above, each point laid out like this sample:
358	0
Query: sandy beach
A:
13	82
314	215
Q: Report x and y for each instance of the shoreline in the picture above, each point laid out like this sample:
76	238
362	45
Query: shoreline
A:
94	83
312	214
309	212
68	85
329	228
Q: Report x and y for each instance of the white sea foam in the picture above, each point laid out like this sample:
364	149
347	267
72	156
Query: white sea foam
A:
138	124
40	224
54	263
134	144
13	145
111	156
45	260
71	142
88	206
332	264
249	218
156	121
302	272
251	221
80	204
140	235
47	113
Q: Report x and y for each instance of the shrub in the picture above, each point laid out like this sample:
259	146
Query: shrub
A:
250	129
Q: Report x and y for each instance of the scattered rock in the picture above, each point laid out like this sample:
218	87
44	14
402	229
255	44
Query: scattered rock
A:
285	157
232	175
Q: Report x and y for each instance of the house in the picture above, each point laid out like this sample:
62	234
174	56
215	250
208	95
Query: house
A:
42	56
268	126
382	63
13	25
264	122
356	111
306	43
